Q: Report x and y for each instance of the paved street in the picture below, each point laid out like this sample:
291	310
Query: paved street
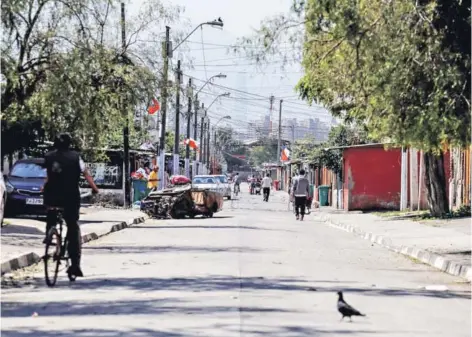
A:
250	271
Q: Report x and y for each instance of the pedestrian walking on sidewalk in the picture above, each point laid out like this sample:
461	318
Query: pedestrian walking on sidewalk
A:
301	188
266	185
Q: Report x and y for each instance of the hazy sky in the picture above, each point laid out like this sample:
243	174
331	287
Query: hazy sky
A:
240	18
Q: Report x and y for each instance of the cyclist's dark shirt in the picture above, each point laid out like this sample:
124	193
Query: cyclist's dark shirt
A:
62	187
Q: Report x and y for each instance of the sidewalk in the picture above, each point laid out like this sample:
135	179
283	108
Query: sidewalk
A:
21	238
443	244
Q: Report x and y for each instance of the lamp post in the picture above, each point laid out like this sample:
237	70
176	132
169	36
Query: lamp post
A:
187	149
226	94
205	145
167	53
214	141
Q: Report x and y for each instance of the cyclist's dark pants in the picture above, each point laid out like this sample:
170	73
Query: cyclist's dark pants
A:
74	238
266	193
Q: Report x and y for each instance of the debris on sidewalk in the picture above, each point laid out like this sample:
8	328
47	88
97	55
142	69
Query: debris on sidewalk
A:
180	202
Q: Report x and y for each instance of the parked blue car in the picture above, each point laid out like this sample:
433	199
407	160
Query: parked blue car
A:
23	185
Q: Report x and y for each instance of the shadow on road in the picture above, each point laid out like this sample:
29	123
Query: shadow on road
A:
168	249
137	307
234	329
196	284
163	226
18	229
215	283
95	333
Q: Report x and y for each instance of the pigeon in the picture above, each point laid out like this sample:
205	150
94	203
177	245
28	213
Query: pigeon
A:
345	309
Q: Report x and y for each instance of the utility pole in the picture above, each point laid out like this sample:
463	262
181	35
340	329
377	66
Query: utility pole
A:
270	114
195	136
202	145
126	173
293	135
208	145
280	132
189	115
162	143
214	150
177	122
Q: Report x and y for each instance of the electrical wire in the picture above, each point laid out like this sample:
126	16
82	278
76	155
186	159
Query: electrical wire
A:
203	52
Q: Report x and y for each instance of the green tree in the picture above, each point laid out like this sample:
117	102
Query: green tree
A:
265	153
401	68
229	146
327	153
169	147
64	71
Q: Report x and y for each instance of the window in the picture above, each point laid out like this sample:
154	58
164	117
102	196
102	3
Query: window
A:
222	179
28	170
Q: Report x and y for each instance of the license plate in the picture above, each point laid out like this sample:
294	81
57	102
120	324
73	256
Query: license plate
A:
35	201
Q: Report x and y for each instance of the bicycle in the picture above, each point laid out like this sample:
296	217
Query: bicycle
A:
56	248
236	189
291	204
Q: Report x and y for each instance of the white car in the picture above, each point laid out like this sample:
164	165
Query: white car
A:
3	200
225	186
207	182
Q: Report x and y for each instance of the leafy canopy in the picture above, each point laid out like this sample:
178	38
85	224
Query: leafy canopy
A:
64	69
401	68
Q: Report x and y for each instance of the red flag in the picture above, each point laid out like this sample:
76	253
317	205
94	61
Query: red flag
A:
191	143
154	107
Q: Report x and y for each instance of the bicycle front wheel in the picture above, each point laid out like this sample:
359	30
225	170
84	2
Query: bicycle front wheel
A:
52	257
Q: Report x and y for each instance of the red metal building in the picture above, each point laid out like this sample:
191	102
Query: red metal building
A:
372	178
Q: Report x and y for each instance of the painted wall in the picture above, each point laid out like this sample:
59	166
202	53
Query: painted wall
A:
371	178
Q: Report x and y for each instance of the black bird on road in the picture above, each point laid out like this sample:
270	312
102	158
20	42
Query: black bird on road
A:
345	309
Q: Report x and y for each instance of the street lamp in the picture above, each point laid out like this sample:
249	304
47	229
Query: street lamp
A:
219	120
220	75
197	105
206	147
226	94
214	141
214	23
168	51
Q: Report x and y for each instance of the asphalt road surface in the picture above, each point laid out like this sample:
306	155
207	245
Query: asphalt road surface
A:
252	270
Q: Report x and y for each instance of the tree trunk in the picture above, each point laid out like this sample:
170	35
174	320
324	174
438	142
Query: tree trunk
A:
436	184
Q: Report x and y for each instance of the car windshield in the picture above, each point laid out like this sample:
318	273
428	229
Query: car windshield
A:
28	170
222	179
203	180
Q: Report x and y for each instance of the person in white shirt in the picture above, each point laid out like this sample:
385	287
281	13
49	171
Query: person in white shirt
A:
300	190
266	185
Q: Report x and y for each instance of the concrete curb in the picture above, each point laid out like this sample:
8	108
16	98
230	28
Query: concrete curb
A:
29	259
434	260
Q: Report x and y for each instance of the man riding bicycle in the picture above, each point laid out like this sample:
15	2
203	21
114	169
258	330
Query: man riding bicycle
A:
237	182
61	190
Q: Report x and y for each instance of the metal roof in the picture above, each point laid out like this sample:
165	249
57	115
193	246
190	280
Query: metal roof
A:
358	145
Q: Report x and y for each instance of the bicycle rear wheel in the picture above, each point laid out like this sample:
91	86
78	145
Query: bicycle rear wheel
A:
52	256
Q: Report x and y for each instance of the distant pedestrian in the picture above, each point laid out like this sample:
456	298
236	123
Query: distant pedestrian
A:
301	188
266	185
153	178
